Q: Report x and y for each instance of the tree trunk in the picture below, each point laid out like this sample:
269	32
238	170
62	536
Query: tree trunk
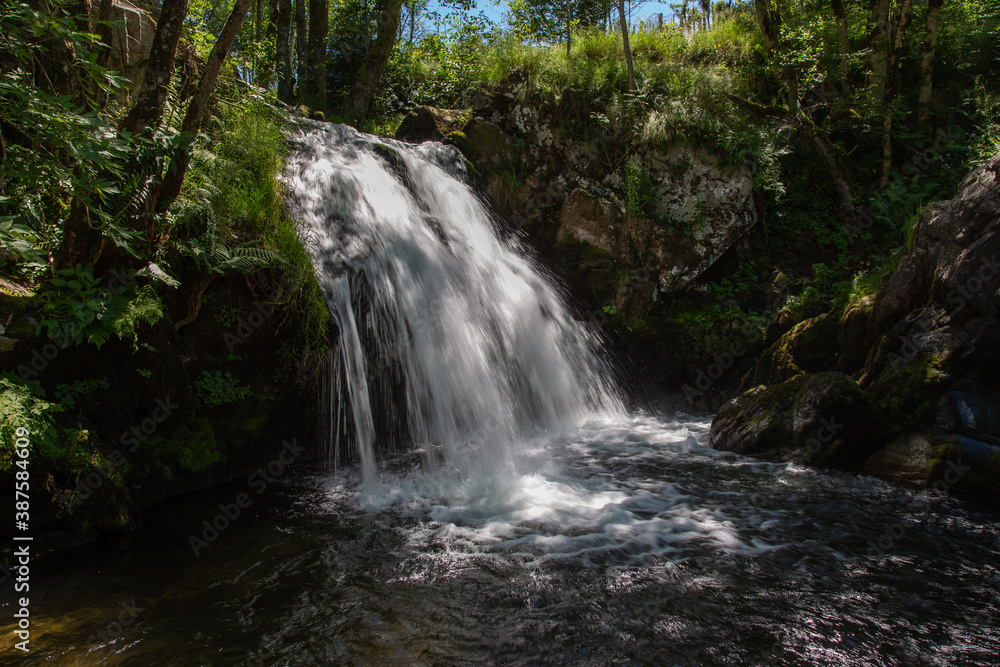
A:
319	23
301	52
841	184
152	98
892	77
770	23
413	18
82	10
878	42
282	21
267	63
931	28
367	77
628	51
196	110
104	32
845	46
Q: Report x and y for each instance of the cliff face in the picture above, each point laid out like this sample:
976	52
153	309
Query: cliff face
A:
625	223
907	381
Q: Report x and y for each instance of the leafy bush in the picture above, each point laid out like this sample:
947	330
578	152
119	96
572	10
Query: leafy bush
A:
218	388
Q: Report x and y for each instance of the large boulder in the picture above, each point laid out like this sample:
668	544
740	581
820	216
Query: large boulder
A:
925	351
818	418
430	124
131	38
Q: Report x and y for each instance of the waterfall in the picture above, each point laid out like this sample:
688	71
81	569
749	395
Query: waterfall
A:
447	327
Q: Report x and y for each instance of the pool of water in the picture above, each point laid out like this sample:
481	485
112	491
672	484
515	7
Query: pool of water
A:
623	542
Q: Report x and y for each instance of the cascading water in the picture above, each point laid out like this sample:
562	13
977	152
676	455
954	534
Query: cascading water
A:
485	349
557	529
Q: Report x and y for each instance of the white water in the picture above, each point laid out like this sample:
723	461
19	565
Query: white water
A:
420	282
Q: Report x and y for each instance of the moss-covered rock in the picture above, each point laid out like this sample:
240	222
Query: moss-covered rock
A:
820	418
808	347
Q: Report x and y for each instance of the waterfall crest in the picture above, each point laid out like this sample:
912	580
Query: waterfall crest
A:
471	343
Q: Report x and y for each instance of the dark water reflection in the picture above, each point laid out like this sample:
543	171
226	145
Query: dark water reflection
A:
679	556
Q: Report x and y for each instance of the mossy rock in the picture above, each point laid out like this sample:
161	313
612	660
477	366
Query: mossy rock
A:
808	347
904	399
819	419
487	146
303	111
853	336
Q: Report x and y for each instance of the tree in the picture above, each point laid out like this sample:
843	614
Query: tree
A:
793	115
840	14
301	51
628	51
198	106
569	27
932	26
319	25
367	77
890	86
281	22
152	97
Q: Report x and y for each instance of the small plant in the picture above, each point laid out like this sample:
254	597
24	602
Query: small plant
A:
218	388
227	315
636	189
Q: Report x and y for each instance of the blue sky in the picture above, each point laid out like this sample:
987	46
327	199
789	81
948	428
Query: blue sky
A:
495	9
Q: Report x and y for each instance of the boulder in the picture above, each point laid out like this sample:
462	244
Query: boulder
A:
430	124
810	346
820	419
131	39
926	348
692	190
590	220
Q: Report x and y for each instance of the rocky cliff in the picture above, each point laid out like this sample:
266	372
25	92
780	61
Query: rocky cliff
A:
626	223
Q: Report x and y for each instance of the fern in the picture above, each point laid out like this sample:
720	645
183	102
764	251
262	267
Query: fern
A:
144	308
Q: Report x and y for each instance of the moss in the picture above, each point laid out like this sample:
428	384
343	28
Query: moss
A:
903	400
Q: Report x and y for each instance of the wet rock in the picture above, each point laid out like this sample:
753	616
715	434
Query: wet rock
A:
940	460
